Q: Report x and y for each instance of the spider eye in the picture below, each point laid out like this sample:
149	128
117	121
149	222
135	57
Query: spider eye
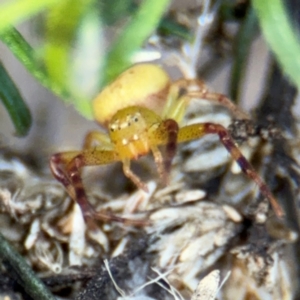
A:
136	119
111	129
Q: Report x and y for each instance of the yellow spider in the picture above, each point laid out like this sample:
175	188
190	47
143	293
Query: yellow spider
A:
143	110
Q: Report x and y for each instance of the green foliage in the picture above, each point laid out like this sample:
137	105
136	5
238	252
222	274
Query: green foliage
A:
113	9
29	58
133	36
14	103
281	36
72	39
62	23
12	13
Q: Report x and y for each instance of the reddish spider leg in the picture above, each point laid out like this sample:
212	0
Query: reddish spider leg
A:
184	88
66	168
196	131
167	131
180	95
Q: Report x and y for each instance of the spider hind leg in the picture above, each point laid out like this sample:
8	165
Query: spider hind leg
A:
195	131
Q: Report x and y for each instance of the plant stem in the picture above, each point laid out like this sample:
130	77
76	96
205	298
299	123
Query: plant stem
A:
31	283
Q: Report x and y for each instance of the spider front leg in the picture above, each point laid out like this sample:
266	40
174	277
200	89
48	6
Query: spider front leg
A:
66	168
95	139
196	131
134	178
166	134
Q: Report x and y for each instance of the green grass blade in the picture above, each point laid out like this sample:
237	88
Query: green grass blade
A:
14	103
87	62
62	24
281	36
26	55
16	11
62	21
144	22
31	283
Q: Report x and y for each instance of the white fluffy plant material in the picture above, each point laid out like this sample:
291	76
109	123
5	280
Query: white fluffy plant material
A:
191	239
207	288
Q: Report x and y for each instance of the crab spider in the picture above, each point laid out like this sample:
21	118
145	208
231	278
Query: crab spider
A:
143	110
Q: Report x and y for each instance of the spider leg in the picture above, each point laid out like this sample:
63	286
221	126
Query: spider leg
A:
166	134
221	99
96	138
196	131
183	90
92	138
134	178
159	161
172	130
57	163
66	167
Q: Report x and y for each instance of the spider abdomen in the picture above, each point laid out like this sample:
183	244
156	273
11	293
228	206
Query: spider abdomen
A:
144	85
